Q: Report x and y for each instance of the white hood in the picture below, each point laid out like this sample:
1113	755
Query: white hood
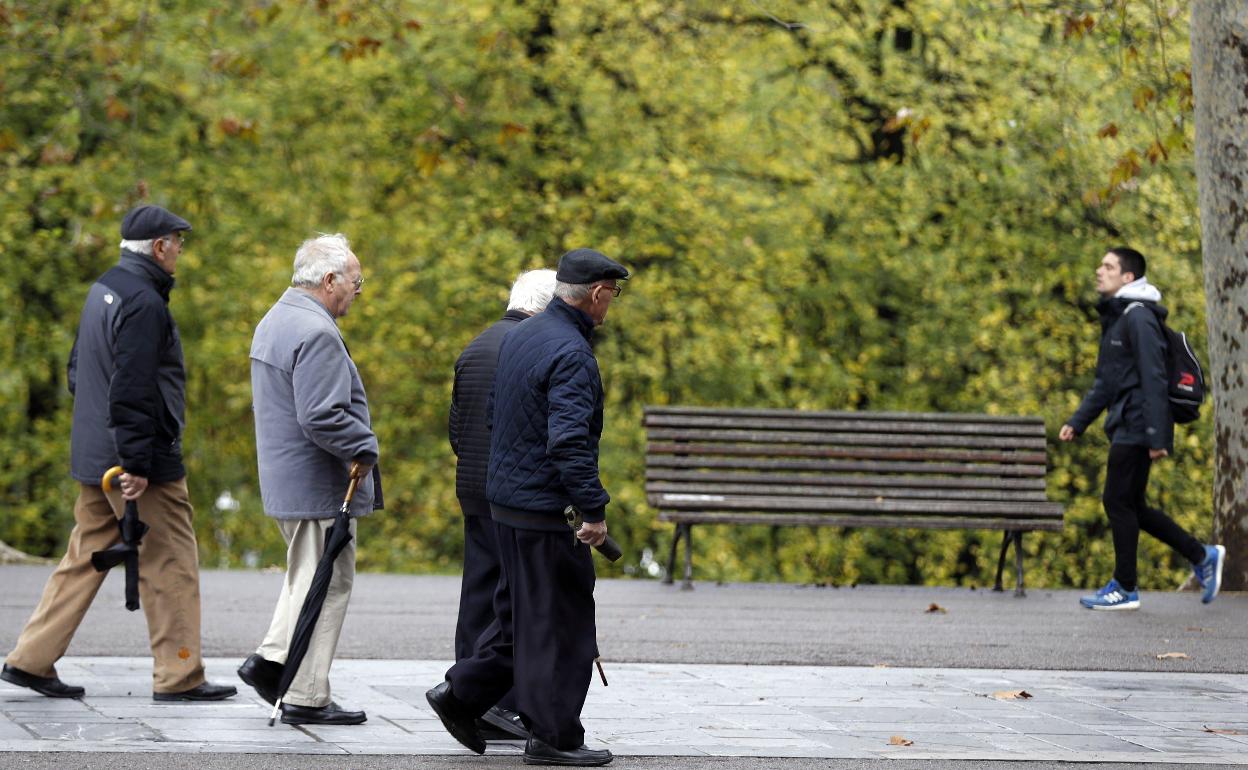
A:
1140	289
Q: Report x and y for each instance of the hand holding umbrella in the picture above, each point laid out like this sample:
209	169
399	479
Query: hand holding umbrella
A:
132	531
336	539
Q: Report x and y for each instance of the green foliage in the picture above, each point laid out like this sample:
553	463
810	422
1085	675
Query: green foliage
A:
879	205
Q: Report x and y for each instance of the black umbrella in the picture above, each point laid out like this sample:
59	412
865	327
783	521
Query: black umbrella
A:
132	532
336	539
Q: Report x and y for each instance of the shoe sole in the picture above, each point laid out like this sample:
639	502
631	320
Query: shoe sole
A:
178	698
1114	607
249	681
541	761
1217	576
40	690
452	729
299	721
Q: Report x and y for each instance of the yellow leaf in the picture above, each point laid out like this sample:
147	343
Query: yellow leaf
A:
898	740
1173	656
1011	695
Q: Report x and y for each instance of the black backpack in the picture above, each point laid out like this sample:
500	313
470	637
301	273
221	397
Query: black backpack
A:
1185	379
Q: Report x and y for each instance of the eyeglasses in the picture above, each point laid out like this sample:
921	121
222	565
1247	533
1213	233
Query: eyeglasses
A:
358	282
615	290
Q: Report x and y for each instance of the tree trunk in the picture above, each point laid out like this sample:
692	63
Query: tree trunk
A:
1219	72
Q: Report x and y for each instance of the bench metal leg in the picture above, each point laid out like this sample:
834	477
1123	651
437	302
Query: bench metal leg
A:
1018	563
1005	545
688	584
671	557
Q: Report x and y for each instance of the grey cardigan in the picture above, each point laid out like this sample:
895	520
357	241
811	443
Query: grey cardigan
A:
311	412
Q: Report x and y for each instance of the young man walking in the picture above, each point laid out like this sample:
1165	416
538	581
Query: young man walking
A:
1132	383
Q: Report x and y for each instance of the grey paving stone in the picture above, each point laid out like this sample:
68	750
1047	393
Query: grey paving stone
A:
91	731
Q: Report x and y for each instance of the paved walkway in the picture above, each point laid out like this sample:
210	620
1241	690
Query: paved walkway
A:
692	710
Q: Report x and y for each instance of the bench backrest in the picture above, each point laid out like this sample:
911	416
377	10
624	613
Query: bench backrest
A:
847	468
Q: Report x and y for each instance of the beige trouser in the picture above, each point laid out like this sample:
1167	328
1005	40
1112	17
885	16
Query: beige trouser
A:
168	585
305	541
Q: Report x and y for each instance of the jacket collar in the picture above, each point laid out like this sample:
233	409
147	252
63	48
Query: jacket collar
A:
515	315
573	315
300	298
145	266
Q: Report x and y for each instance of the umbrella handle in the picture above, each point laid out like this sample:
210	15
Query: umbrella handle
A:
109	475
355	480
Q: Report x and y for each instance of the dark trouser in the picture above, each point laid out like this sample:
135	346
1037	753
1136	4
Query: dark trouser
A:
1125	483
481	573
542	643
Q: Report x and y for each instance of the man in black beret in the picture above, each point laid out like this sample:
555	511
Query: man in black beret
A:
546	426
129	387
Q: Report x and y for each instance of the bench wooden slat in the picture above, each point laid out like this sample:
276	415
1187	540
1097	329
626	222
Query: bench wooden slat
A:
937	482
848	453
892	522
846	424
970	469
1002	508
657	488
848	439
734	412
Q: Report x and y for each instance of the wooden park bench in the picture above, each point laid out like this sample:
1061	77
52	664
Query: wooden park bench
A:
847	469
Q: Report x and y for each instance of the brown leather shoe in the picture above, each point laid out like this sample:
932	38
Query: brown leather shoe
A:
51	686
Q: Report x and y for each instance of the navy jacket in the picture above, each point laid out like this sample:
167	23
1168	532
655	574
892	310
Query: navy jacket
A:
468	429
1131	380
547	421
127	377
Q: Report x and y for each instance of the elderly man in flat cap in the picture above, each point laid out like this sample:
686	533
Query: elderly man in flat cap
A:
547	421
129	386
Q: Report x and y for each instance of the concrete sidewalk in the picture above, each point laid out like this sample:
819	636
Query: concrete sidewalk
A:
712	677
687	710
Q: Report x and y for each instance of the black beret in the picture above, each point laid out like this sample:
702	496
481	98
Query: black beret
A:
589	266
147	221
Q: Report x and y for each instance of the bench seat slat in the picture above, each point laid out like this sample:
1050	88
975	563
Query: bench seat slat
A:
1004	508
852	453
843	479
847	438
971	469
654	489
886	522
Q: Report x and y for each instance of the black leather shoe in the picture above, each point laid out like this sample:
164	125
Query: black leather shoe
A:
332	714
205	691
538	752
456	718
500	724
50	686
263	675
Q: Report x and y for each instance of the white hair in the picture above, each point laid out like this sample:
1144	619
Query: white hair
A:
318	256
572	292
532	291
140	247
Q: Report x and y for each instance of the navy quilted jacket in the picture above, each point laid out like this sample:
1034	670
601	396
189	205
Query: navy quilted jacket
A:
547	420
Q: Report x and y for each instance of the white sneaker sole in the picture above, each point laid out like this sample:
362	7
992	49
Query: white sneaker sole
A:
1121	605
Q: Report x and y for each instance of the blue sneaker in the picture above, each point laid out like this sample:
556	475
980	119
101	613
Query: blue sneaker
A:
1112	597
1209	571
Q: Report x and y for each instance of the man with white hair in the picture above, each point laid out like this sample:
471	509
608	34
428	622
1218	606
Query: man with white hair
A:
312	423
469	431
127	377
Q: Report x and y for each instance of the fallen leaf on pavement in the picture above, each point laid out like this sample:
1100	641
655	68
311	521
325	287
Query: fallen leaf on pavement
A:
934	607
1219	731
1199	629
898	740
1173	655
1011	695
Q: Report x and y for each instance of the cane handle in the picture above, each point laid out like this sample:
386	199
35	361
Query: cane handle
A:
109	475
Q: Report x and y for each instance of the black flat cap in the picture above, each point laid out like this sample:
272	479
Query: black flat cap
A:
147	221
589	266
